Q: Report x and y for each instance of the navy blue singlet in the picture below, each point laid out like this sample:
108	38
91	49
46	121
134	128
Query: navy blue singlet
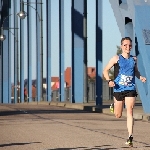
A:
125	78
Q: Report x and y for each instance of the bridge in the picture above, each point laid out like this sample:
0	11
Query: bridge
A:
132	19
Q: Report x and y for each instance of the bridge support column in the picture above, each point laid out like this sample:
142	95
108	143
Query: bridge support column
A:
61	50
142	30
49	48
5	67
77	51
29	53
22	60
99	65
16	47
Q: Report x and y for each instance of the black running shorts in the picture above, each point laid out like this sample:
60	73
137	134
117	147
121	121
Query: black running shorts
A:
120	96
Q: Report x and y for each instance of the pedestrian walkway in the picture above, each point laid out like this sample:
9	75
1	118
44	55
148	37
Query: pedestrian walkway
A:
138	109
46	127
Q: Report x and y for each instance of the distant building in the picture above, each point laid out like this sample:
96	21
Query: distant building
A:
91	72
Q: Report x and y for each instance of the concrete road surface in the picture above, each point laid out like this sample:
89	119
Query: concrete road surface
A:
44	127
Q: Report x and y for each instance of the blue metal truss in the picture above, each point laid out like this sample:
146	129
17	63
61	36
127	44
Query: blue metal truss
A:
78	46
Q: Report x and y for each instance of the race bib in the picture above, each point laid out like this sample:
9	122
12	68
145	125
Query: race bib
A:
125	80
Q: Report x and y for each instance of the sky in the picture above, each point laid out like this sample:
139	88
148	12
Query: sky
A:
111	36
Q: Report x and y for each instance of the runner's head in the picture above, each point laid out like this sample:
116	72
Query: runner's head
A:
126	45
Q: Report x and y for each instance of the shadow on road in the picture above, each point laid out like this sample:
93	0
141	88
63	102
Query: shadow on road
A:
87	148
40	111
14	144
109	147
47	110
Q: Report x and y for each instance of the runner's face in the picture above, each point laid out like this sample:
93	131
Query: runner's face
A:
126	46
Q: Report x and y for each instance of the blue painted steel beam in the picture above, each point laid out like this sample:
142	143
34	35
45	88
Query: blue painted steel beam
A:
1	48
0	72
129	32
5	67
85	76
5	54
61	50
39	86
22	60
9	61
77	51
99	83
49	41
15	53
142	29
29	39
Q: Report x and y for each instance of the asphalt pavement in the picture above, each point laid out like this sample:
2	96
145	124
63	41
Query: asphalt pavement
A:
44	126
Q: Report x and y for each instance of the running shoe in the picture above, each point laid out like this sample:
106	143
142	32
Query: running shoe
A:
129	141
112	108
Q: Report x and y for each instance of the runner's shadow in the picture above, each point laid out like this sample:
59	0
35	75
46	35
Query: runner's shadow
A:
136	146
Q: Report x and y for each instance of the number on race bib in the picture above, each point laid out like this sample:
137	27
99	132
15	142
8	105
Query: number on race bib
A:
125	80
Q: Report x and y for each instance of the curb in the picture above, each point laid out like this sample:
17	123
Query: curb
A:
92	108
96	109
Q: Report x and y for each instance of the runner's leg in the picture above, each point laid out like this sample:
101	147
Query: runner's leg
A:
118	108
130	101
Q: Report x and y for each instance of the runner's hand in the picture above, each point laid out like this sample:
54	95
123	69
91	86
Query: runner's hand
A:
111	84
143	79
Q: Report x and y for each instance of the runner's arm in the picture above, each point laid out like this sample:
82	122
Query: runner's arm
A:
137	73
110	64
